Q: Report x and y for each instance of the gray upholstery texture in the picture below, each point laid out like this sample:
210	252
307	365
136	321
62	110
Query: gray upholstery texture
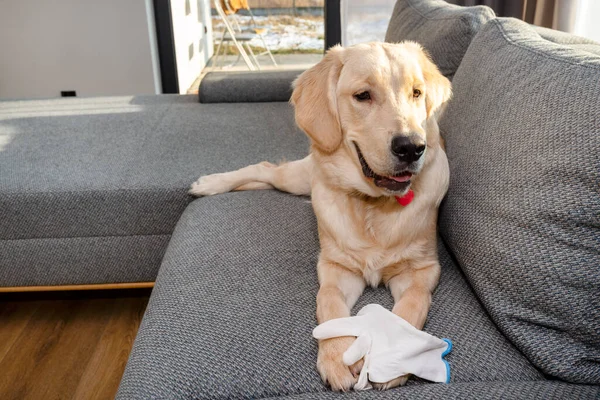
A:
534	390
522	215
81	260
117	168
233	309
443	29
252	87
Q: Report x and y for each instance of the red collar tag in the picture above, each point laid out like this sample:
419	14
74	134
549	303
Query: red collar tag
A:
406	199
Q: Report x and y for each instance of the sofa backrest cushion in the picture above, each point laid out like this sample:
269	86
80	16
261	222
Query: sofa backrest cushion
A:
247	87
522	215
573	41
443	29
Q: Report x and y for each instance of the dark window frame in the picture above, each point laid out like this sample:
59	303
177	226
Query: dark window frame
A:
333	23
166	46
166	43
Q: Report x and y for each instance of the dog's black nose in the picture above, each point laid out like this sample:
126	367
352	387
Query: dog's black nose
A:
408	148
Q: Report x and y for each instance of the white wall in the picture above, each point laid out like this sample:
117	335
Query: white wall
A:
586	21
96	47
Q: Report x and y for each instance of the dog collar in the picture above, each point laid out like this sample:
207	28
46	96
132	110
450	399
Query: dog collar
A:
406	199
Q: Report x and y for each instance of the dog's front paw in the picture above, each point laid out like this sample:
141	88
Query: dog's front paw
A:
210	184
391	384
331	366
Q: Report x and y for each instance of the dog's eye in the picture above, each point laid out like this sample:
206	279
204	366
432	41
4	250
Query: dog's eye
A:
416	93
363	96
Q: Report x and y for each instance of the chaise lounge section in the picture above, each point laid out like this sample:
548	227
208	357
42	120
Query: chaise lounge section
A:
91	189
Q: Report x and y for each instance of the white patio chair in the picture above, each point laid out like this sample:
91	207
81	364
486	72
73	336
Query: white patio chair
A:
234	33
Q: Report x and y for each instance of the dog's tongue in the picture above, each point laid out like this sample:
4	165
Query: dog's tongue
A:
402	178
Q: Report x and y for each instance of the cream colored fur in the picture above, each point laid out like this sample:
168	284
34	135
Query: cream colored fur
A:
366	237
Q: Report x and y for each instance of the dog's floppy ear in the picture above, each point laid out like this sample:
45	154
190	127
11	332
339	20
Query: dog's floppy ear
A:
314	98
437	87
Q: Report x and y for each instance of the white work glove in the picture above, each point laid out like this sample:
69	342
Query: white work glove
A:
391	347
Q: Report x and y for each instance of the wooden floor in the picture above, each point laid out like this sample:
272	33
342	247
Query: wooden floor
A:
67	345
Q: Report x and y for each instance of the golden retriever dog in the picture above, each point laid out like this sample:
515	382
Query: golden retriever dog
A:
370	112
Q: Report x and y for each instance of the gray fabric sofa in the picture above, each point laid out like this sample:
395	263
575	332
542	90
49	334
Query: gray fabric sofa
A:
95	191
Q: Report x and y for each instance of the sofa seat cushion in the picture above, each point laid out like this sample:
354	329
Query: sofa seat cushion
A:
444	30
233	308
522	214
117	168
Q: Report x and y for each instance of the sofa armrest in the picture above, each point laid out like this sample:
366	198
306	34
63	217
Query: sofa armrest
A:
247	87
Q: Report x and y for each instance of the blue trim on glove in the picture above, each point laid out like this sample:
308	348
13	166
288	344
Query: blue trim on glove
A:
444	354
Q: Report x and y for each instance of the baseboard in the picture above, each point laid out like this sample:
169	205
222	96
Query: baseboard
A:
99	286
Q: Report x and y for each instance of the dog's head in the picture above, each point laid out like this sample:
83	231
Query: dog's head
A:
367	110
